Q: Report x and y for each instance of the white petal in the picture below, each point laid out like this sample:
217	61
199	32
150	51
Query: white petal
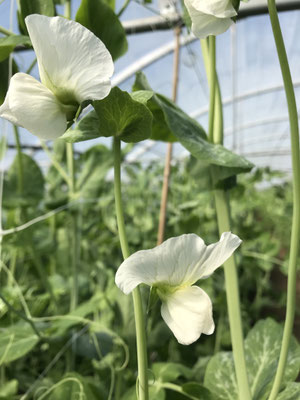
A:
188	313
204	25
218	8
167	263
71	59
216	254
31	105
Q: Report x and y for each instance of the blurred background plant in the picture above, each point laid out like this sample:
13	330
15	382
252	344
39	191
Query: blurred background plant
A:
97	337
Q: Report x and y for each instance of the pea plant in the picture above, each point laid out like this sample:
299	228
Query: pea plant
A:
92	305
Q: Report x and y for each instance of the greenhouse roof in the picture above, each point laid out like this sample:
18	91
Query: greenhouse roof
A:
255	111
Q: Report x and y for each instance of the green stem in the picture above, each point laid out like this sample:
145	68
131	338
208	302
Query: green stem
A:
233	301
123	8
31	66
230	268
20	163
12	267
295	235
6	31
68	9
71	168
21	315
137	300
212	86
56	164
74	231
218	114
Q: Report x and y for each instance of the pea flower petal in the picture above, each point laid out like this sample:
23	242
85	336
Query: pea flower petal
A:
218	8
172	268
188	313
210	17
71	59
175	262
74	66
31	105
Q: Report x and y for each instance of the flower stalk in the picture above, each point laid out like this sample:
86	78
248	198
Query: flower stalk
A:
167	169
223	217
143	391
295	234
212	86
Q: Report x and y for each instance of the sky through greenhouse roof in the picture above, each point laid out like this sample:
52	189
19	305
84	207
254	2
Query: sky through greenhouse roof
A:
255	111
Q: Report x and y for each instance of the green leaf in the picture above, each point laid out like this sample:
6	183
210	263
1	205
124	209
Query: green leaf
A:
27	7
197	391
116	115
15	342
291	392
98	17
191	135
262	349
111	4
169	372
160	129
220	377
8	43
32	187
9	389
142	96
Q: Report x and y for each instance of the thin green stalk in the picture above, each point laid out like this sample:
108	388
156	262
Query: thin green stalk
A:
71	167
68	9
143	393
12	267
6	31
233	300
295	235
212	86
218	114
230	268
74	231
20	315
123	8
19	159
31	66
56	164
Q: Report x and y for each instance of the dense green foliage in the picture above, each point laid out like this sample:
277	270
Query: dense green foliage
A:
66	330
90	346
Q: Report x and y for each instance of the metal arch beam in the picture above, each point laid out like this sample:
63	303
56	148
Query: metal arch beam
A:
149	59
255	7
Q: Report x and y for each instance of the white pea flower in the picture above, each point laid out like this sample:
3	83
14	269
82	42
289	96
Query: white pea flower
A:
74	66
171	269
210	17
